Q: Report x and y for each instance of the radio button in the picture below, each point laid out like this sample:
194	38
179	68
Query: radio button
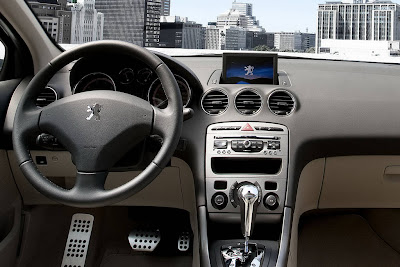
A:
247	144
220	144
234	144
274	145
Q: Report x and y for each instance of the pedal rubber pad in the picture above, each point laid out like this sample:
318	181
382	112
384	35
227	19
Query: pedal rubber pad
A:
144	240
77	244
184	241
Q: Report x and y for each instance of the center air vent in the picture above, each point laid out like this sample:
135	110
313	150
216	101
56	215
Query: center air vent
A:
47	96
281	103
248	102
215	102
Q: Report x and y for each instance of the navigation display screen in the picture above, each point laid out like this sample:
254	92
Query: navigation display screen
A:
250	68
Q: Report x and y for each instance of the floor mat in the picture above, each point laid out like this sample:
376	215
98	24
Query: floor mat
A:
342	240
144	261
46	230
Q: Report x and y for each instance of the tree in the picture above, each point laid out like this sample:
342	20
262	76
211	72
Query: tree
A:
261	48
310	50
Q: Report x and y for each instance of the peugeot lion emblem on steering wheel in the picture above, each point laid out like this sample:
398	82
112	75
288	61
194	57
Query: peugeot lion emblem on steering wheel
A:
94	112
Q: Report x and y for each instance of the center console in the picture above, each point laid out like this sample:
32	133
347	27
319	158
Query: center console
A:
246	175
238	153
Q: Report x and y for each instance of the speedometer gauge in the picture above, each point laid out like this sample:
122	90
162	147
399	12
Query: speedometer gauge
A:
95	81
157	97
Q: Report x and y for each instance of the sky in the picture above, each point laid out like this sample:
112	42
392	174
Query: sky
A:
274	16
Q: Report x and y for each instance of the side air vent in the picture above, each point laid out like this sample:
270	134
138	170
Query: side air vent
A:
47	96
281	103
215	102
248	102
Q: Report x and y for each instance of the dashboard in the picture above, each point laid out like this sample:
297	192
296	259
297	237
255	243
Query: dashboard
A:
339	108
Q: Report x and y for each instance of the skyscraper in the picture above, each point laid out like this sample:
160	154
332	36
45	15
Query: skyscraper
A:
136	21
246	9
165	7
179	32
358	20
231	18
86	23
46	11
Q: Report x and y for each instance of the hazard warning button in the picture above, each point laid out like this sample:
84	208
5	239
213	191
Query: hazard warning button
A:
247	128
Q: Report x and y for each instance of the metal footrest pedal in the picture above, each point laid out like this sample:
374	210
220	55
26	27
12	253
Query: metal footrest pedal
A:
144	240
77	244
184	241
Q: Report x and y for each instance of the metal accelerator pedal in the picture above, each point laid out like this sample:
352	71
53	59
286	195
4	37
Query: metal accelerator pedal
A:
144	240
77	244
184	241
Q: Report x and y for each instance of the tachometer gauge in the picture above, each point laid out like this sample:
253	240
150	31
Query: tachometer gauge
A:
144	75
156	95
126	76
95	81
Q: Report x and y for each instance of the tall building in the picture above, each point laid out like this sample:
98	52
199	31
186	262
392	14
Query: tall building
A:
307	41
260	38
165	7
294	41
246	9
358	20
178	32
86	23
46	11
213	36
134	21
288	41
225	38
64	29
231	18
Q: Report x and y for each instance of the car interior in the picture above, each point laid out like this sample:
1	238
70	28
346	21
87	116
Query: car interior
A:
116	155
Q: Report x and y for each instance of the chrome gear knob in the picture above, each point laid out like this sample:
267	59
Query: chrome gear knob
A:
249	199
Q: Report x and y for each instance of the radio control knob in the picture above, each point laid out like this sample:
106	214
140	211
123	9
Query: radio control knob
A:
247	144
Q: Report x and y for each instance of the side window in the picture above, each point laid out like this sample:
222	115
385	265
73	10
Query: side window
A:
2	54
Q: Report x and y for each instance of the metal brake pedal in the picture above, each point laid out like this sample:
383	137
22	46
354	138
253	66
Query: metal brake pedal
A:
77	244
144	240
184	241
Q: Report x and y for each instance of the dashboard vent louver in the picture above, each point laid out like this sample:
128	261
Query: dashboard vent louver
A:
281	103
46	97
248	102
215	102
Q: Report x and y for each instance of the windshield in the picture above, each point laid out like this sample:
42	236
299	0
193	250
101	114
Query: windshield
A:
349	29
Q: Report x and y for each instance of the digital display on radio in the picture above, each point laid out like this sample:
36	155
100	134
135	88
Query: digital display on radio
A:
250	68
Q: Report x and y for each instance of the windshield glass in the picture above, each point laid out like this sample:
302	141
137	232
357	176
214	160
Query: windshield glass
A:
349	29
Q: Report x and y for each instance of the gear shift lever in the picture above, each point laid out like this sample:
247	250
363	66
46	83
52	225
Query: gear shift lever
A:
249	199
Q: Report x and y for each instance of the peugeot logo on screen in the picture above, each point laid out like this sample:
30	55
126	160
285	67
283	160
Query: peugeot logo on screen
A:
94	112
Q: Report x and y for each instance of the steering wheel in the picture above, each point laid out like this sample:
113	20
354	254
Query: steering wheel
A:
97	128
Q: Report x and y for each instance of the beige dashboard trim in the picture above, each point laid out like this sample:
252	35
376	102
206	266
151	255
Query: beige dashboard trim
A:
361	182
346	182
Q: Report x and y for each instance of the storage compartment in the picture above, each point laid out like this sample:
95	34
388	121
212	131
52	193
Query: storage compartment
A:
231	165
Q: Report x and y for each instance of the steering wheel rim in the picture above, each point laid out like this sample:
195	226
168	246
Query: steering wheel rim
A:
118	118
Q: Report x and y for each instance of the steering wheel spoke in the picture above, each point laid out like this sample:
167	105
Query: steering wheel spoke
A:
161	121
88	183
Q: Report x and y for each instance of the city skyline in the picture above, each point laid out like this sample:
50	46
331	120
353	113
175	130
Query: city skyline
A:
297	15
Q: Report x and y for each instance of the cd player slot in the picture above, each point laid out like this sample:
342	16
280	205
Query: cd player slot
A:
234	165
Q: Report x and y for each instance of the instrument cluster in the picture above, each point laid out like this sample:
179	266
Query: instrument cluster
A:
124	75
